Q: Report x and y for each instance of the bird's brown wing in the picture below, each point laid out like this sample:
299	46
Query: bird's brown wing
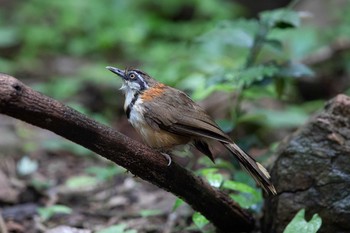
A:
175	112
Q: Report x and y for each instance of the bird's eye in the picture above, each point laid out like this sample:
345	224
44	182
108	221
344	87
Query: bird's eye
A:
132	76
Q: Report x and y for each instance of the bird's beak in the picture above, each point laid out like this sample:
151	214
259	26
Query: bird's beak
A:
119	72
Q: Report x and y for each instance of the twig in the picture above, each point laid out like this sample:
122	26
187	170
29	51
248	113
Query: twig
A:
19	101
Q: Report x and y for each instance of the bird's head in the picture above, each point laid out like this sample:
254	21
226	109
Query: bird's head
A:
134	80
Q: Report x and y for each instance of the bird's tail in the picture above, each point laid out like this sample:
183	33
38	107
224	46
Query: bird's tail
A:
255	169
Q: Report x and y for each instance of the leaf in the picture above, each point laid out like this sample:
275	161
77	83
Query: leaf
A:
280	18
242	201
214	179
277	44
237	186
149	213
248	197
47	212
300	225
199	220
247	77
178	202
77	182
26	166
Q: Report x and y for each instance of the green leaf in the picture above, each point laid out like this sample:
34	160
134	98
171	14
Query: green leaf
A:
178	202
237	186
300	225
120	228
280	18
277	44
242	200
26	166
248	76
149	213
47	212
214	179
206	171
199	220
248	197
77	182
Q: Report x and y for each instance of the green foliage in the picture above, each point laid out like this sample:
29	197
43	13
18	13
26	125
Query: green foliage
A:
82	181
281	18
178	202
150	213
246	197
213	177
199	220
300	225
46	213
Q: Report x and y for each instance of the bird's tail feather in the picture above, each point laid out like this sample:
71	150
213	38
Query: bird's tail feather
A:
255	169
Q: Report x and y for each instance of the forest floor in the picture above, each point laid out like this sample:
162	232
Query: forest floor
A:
38	180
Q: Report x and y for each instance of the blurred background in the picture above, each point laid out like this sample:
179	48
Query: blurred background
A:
260	72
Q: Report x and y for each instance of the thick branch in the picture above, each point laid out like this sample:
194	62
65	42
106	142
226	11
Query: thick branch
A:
21	102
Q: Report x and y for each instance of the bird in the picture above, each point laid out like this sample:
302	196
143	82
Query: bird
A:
166	117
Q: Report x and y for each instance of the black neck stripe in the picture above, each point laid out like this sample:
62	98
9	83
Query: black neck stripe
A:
131	105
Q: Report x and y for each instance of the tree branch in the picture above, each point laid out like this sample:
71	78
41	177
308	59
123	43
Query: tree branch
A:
21	102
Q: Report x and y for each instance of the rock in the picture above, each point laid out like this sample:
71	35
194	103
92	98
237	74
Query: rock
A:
312	171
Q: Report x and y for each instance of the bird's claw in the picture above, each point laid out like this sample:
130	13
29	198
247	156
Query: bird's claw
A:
167	157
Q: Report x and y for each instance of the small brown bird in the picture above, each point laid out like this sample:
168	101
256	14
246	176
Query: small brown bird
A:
166	117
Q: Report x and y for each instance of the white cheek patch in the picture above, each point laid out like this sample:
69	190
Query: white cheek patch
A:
134	86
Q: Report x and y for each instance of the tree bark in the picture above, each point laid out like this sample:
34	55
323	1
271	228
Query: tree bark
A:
21	102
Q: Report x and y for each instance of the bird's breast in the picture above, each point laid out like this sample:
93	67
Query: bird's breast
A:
136	115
